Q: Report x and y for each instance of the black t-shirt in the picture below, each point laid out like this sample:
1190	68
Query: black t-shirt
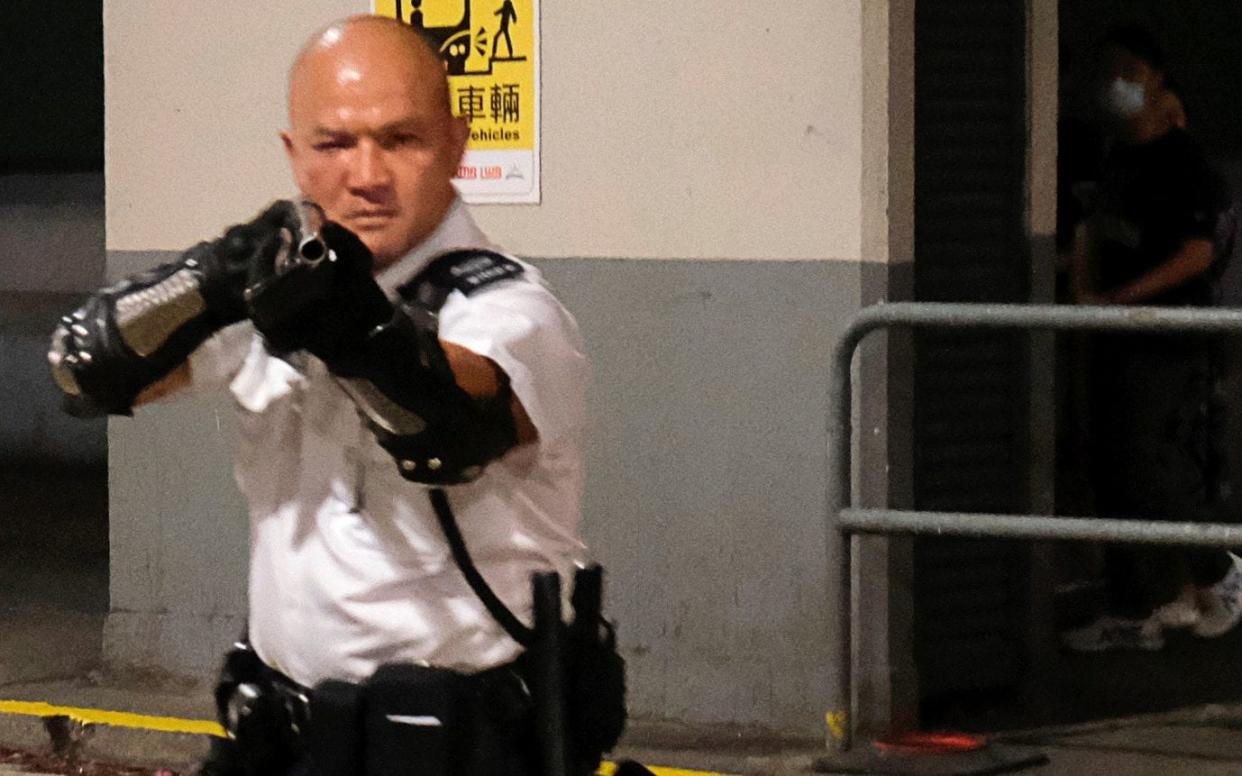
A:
1152	199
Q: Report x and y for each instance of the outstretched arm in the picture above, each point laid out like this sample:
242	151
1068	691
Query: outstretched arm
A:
128	343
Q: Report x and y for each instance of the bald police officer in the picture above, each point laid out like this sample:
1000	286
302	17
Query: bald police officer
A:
402	356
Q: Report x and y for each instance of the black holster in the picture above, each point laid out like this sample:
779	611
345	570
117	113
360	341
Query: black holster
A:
263	713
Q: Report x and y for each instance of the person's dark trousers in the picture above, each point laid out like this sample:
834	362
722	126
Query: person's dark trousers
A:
1155	456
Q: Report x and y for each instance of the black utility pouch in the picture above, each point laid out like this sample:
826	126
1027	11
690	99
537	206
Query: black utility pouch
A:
416	720
261	738
335	740
241	666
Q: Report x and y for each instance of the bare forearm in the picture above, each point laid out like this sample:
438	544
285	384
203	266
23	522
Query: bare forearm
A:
169	384
1192	260
480	377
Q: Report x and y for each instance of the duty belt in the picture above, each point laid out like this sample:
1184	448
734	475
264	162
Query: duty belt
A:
271	692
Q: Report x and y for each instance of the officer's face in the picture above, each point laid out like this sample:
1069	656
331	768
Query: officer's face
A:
371	137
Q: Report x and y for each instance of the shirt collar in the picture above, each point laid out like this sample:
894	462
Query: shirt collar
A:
456	231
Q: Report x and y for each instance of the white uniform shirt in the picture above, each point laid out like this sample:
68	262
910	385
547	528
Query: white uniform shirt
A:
349	568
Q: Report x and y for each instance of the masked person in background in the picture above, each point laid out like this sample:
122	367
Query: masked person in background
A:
1156	236
398	381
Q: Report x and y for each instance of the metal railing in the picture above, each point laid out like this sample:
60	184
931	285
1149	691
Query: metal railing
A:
845	520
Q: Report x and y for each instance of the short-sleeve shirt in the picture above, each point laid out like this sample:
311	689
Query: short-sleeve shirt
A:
349	568
1153	198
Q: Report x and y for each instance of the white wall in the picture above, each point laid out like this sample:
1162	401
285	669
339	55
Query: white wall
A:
674	134
697	129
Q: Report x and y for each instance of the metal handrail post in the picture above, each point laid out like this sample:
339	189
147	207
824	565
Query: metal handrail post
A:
839	715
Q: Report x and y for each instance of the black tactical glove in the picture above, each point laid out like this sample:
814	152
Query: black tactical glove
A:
128	336
226	262
326	307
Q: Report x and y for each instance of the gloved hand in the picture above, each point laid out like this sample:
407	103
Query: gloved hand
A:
225	262
325	307
125	337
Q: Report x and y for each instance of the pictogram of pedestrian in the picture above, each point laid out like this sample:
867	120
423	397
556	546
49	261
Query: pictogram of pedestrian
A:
507	14
416	12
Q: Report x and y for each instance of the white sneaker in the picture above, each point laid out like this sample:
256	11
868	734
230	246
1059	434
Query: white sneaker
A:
1220	606
1181	612
1109	633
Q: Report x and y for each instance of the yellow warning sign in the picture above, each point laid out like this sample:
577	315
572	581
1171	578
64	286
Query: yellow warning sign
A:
491	53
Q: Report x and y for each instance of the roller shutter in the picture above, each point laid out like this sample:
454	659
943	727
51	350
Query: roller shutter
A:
970	410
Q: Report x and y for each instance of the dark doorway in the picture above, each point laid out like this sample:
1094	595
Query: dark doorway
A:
974	647
1205	62
971	389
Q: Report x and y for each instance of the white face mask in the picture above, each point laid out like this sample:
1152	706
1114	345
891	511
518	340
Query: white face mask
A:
1125	98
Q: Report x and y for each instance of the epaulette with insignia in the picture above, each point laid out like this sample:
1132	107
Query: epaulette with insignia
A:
470	271
467	271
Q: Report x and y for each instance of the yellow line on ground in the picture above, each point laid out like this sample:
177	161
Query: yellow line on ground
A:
113	718
200	727
608	769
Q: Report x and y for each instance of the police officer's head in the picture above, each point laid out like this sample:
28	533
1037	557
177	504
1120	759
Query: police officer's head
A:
371	135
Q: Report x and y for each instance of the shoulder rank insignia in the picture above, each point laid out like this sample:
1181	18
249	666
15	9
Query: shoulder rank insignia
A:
471	270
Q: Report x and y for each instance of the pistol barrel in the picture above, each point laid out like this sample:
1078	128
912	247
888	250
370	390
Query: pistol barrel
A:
311	247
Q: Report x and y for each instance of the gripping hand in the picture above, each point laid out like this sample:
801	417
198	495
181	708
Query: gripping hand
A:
128	336
325	305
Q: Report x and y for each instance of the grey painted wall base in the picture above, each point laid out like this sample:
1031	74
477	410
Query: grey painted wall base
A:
705	498
189	645
177	535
